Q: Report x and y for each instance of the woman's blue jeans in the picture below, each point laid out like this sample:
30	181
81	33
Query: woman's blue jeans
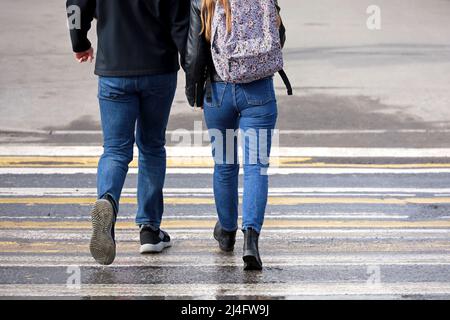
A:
251	109
135	104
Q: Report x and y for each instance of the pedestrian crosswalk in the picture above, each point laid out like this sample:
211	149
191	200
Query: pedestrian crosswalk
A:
340	224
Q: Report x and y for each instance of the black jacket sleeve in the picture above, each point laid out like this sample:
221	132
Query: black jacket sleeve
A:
195	55
282	28
78	33
178	16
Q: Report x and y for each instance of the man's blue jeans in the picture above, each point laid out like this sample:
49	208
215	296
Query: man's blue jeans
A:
252	108
135	109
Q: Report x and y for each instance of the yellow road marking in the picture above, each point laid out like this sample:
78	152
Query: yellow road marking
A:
199	162
288	201
48	161
269	223
91	162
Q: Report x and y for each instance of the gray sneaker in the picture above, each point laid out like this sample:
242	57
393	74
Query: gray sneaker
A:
103	244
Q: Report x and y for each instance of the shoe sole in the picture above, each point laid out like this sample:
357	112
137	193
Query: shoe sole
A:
251	263
155	248
102	245
226	249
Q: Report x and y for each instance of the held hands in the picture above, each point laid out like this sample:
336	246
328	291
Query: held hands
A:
191	94
84	56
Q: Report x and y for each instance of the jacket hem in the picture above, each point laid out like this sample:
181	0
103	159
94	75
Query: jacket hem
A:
132	73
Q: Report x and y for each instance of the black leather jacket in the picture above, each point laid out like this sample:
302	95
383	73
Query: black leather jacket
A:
199	66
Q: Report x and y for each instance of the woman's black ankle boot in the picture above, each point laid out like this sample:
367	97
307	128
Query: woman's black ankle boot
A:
252	260
226	239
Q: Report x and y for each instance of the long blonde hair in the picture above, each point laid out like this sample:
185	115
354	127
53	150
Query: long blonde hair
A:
207	14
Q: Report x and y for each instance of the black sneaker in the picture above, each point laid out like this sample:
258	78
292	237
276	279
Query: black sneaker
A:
226	239
252	260
103	244
153	240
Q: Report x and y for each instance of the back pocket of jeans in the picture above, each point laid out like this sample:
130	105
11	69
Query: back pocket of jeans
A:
259	92
111	88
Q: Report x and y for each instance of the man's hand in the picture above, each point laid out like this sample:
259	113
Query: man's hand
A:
84	56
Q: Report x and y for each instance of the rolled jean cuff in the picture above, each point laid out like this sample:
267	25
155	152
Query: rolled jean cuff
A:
153	224
113	201
256	228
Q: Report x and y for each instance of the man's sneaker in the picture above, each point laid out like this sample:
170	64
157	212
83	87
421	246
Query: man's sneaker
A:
103	244
226	239
153	240
252	260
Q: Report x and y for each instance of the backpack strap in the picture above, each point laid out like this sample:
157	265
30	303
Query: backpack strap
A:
286	81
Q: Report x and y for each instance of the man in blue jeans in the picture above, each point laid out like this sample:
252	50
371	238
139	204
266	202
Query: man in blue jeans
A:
137	63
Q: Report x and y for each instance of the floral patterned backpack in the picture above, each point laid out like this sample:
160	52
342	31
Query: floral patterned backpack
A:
252	50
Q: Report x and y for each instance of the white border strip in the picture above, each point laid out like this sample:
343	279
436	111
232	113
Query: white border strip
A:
378	231
200	191
211	290
86	192
209	171
211	217
40	264
79	151
281	131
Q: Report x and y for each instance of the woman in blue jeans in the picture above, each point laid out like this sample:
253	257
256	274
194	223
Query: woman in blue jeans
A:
250	108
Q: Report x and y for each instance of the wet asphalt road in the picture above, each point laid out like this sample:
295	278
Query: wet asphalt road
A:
327	235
